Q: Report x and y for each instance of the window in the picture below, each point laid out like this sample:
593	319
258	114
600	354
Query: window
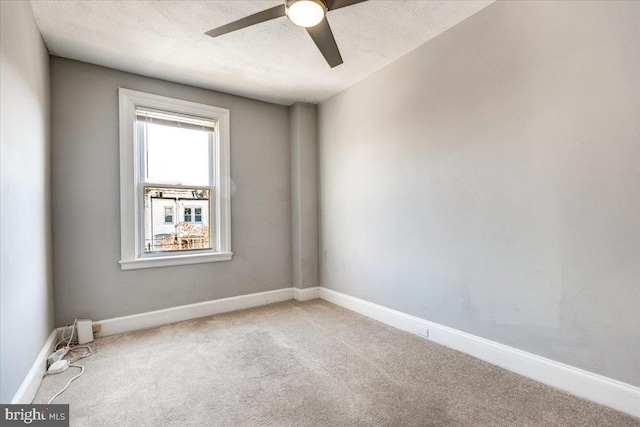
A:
168	214
174	179
193	214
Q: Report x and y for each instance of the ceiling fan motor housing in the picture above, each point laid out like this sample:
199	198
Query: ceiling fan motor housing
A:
323	3
306	13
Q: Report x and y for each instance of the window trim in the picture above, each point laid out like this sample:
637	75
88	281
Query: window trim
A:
131	219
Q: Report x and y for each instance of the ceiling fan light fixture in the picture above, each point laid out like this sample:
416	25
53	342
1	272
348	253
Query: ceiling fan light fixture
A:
306	13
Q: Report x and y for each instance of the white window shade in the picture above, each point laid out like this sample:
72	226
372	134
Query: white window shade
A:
182	121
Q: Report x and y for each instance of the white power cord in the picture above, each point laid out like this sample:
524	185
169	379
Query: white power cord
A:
68	341
69	383
71	348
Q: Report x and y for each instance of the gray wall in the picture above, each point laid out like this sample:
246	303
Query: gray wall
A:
304	194
490	181
86	201
26	303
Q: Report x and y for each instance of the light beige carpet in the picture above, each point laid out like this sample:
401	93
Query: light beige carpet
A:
304	364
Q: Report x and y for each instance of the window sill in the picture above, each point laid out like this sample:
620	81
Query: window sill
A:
171	260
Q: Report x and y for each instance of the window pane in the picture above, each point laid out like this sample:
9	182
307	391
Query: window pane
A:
177	156
168	214
163	235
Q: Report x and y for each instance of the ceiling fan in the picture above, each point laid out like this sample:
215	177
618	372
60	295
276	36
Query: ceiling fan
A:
310	14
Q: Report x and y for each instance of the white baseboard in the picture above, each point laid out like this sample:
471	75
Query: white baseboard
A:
597	388
306	294
192	311
29	387
594	387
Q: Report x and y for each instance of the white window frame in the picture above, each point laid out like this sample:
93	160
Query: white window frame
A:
132	214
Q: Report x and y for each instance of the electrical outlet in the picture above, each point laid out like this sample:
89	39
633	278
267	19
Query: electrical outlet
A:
423	332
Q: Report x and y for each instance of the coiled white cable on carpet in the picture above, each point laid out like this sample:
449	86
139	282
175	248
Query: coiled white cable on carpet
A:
88	352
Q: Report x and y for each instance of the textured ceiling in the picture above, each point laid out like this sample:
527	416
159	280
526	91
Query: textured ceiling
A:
274	61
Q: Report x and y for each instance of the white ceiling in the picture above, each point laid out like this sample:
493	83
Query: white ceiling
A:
274	61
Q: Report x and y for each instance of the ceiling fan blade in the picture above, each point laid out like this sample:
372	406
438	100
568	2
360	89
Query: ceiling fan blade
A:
337	4
256	18
323	38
